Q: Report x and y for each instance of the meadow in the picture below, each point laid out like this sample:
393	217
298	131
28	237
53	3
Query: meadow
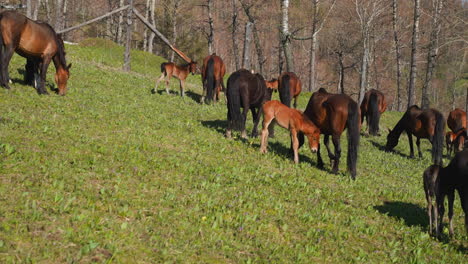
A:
112	173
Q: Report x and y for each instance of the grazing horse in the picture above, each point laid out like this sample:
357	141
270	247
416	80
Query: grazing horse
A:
289	86
213	71
248	91
180	72
443	182
428	124
455	141
332	114
372	107
272	84
38	43
291	119
456	121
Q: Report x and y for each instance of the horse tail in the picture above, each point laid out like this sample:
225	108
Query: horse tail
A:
235	118
373	114
284	90
210	82
2	52
352	123
438	139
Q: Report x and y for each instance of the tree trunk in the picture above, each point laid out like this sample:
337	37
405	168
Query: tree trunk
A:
119	26
248	38
414	46
48	11
235	49
211	48
58	14
29	8
341	72
286	36
397	54
36	10
432	53
174	25
145	30
153	22
258	46
280	54
128	40
313	47
364	64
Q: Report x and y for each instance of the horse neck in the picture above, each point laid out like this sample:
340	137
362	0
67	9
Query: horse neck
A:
58	63
400	126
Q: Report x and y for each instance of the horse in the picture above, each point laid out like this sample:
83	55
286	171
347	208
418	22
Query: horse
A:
248	91
332	114
455	141
213	71
372	107
39	44
289	85
291	119
456	121
428	123
272	84
443	182
169	69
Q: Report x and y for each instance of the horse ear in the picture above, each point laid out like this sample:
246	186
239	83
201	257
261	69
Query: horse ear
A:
69	66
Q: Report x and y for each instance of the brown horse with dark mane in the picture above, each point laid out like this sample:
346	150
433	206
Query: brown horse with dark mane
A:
428	123
456	121
332	114
372	106
291	119
248	91
289	86
38	43
440	182
212	73
180	72
272	84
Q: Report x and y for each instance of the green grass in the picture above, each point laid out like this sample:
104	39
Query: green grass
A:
111	173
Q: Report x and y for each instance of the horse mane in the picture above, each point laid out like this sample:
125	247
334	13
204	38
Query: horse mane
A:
58	38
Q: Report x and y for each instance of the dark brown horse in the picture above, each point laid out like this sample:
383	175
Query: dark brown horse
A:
440	182
289	86
248	91
428	124
372	106
213	71
170	69
37	42
456	121
332	114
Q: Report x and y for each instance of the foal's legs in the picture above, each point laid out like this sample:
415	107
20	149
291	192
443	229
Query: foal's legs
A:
182	88
451	198
295	144
265	127
159	80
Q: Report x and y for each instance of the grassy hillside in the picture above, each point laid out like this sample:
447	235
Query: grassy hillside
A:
112	173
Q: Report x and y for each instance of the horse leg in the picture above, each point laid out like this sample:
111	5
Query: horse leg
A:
256	117
336	143
7	53
29	72
267	121
295	144
182	87
217	91
319	158
168	78
295	102
43	71
440	197
157	82
451	198
463	193
418	144
410	140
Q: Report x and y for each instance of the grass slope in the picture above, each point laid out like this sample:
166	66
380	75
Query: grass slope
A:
112	173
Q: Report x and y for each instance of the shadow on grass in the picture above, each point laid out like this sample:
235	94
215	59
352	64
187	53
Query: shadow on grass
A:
194	96
382	148
219	125
412	214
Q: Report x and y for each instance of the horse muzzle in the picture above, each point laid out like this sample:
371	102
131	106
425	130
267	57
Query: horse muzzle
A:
314	150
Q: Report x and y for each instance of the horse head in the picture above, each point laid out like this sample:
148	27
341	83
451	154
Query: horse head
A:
61	79
193	67
392	141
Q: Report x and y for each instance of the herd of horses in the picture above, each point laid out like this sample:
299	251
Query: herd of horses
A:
326	113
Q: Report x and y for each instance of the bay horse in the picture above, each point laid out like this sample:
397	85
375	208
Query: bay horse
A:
456	121
372	107
291	119
170	69
39	44
440	182
248	91
332	114
455	141
428	123
289	86
213	71
272	84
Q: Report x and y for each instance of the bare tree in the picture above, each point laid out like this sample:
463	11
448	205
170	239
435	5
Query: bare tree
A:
286	36
211	48
175	8
247	40
36	10
119	25
29	8
414	50
258	46
58	14
432	52
368	12
235	49
397	53
153	22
